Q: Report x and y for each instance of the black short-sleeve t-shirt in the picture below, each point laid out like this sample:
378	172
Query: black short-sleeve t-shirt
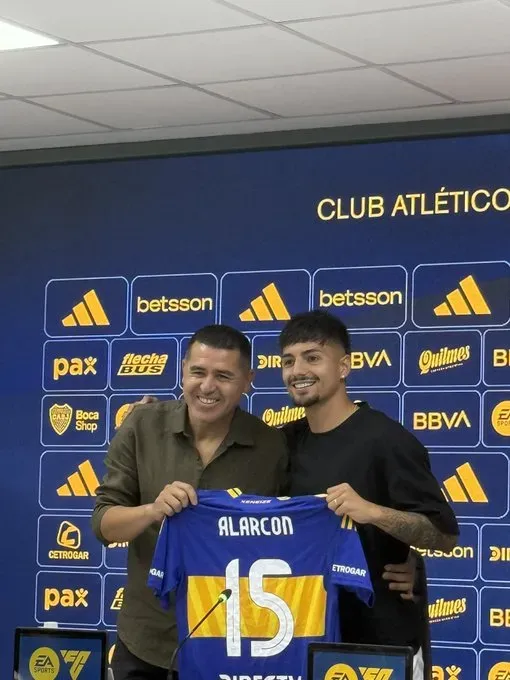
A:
387	465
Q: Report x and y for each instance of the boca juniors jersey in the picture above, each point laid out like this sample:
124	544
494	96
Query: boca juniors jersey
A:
285	562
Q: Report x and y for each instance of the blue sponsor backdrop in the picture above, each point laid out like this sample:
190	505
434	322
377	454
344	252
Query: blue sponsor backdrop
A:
93	269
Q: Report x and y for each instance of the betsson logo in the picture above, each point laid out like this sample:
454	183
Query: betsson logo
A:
168	305
431	362
460	552
348	298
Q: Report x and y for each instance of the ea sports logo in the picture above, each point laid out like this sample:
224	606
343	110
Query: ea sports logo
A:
501	418
340	671
44	663
500	671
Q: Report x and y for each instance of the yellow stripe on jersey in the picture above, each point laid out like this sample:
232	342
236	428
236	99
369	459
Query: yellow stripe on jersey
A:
234	492
304	595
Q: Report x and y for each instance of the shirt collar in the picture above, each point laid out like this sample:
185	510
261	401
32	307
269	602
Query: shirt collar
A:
240	432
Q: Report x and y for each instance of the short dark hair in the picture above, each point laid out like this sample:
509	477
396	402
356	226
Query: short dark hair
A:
315	326
219	336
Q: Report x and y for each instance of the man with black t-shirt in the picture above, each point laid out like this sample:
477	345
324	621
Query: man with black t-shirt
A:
372	469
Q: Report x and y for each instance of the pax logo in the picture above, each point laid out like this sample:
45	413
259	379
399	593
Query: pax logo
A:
448	673
439	420
67	597
464	486
466	300
266	307
76	366
88	312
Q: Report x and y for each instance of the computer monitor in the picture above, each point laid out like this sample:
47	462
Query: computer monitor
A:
345	661
49	653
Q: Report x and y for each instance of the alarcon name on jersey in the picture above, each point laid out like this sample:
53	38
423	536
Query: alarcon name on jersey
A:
281	562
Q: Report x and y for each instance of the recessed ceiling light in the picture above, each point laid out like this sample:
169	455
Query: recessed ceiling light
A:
15	38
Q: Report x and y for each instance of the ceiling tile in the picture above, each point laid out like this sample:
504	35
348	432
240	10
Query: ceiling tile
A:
151	108
58	70
245	127
229	55
473	79
114	19
287	10
19	119
339	92
443	31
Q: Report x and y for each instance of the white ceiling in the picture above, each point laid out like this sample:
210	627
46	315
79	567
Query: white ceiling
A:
136	70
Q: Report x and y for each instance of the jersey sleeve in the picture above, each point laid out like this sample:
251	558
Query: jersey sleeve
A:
166	569
348	566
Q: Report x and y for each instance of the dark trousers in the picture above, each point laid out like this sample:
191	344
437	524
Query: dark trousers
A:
127	666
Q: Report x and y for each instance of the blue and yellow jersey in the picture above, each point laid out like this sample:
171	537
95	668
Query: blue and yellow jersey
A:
285	561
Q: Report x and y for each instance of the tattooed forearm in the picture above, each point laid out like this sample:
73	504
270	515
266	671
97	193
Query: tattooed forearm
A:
413	529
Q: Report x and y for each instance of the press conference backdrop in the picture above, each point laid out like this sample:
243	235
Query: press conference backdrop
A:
108	267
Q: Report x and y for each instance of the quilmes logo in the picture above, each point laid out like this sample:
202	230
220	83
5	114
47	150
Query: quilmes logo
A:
76	661
142	364
500	671
440	420
266	307
500	418
61	416
88	312
445	358
287	414
445	610
67	597
370	359
448	673
118	599
499	553
342	671
77	366
466	300
82	482
464	486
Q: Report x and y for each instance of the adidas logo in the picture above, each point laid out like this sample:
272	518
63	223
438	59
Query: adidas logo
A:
83	482
266	307
464	301
464	487
88	312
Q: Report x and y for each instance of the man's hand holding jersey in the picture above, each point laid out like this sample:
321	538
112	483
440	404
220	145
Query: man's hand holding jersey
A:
174	498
